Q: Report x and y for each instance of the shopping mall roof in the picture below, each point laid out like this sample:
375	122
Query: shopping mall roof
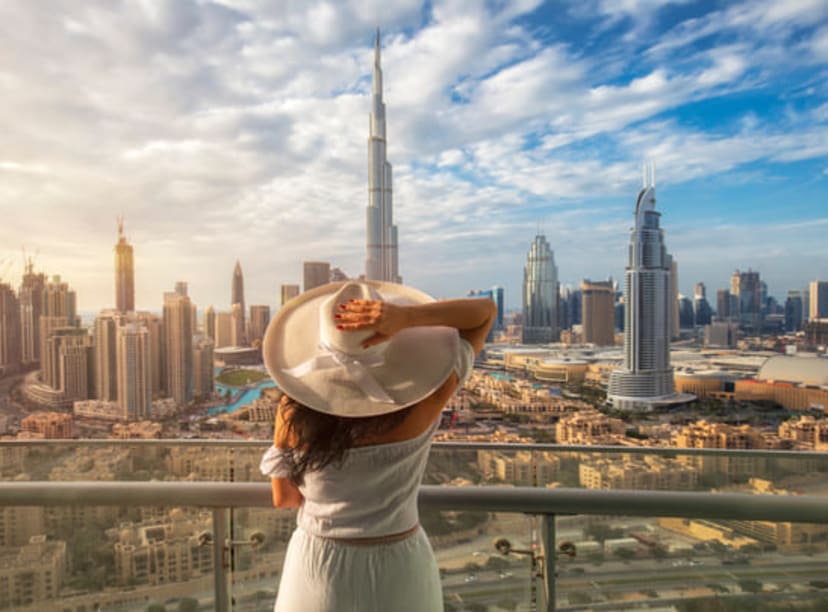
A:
811	371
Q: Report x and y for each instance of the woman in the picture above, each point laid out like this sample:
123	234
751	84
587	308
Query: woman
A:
366	369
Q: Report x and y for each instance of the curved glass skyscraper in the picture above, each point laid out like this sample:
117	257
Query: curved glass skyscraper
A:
540	294
647	377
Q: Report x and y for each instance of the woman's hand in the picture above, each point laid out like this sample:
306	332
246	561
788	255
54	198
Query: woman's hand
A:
383	318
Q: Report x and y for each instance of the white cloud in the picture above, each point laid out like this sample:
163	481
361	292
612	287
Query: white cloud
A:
237	129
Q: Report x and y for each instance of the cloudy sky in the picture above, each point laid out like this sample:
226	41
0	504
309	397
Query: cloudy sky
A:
237	129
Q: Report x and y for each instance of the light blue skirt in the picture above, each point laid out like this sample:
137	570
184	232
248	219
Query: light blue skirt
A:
323	575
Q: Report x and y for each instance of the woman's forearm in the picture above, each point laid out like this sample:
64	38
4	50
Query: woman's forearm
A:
471	317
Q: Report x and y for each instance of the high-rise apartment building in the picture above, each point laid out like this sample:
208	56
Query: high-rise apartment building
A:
158	366
181	288
259	318
818	302
288	292
540	294
598	308
31	309
124	272
106	362
723	301
10	353
702	313
223	335
203	367
59	310
746	287
315	274
794	311
68	362
178	348
675	324
237	297
647	377
381	262
209	326
237	317
134	371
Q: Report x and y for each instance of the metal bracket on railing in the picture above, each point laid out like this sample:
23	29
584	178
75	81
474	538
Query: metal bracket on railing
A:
257	538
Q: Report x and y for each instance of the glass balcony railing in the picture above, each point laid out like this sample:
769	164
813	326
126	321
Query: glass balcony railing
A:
109	525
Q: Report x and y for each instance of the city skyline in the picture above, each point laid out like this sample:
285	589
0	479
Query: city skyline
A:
503	117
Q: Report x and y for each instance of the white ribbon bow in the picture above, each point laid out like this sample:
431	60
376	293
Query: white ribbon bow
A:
356	367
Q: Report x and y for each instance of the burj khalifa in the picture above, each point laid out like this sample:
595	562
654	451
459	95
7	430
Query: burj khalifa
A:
381	261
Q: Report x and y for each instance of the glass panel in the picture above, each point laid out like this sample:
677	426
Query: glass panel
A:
87	558
621	563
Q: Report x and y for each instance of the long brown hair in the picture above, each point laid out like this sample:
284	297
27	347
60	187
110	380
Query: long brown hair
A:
318	439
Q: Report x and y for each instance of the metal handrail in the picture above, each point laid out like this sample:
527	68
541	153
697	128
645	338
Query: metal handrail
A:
527	500
668	451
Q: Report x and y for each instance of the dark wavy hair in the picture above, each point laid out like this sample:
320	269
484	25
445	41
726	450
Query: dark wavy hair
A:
319	439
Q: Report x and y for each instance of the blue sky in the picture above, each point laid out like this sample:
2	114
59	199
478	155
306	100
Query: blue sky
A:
237	129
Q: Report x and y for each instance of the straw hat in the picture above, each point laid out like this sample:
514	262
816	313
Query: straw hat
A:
327	369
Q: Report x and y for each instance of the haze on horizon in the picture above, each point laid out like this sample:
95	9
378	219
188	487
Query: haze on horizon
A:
227	130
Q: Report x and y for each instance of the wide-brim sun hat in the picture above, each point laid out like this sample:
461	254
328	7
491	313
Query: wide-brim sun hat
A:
328	370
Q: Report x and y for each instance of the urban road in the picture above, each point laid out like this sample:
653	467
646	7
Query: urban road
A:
609	586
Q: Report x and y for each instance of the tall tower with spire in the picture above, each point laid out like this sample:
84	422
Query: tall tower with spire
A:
646	380
124	272
381	261
237	297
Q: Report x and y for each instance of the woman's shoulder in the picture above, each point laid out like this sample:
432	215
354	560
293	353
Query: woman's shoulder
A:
420	417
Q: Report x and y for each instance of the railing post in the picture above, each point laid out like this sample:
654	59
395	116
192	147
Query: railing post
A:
219	558
547	542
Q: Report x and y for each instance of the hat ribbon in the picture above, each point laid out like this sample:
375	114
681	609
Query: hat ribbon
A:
356	367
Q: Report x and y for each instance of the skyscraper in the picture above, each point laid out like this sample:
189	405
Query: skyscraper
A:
675	328
381	261
9	330
598	304
124	272
178	348
158	364
203	367
315	274
106	355
237	317
210	323
223	335
793	311
540	294
259	318
134	373
818	302
237	297
288	292
647	377
31	309
59	310
746	289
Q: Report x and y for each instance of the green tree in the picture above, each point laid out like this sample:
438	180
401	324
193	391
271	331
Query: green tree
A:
188	605
750	586
156	607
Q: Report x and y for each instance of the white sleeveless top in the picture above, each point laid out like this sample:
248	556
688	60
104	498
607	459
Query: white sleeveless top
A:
374	491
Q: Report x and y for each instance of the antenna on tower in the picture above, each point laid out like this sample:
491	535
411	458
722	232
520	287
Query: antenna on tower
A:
120	219
652	165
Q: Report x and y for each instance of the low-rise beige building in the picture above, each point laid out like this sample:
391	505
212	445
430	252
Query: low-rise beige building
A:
588	426
162	552
637	472
520	468
811	432
32	574
52	425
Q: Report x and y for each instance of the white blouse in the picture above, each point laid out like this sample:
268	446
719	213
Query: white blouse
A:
374	491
